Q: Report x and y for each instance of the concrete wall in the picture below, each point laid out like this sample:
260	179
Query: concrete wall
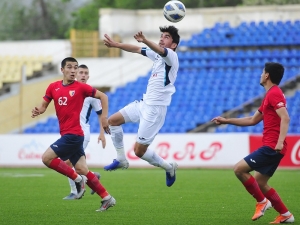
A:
15	110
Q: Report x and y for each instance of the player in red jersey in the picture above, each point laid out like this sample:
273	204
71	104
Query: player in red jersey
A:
68	96
265	160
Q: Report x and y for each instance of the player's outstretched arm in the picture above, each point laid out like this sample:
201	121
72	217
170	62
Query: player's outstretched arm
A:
245	121
40	109
104	116
101	136
110	43
155	47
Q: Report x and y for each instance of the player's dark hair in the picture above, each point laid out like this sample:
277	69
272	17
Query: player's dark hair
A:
173	31
275	70
68	59
83	66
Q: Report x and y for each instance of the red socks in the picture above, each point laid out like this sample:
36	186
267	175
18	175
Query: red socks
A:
276	201
61	167
95	185
93	182
253	188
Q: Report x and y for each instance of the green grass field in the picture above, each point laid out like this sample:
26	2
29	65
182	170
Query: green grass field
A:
199	196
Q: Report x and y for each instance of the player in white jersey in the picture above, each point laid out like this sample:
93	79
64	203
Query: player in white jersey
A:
150	112
88	104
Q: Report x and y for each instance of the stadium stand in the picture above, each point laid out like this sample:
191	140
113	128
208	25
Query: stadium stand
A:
219	71
11	67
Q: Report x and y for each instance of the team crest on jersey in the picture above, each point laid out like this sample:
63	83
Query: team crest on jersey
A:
72	93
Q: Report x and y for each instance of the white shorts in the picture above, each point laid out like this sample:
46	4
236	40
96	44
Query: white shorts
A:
151	118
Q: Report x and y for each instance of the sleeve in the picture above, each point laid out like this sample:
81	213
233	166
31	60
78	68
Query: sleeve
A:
277	100
148	52
260	109
48	96
96	104
170	57
89	91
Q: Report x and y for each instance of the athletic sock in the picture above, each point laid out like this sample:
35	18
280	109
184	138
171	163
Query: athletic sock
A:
252	187
72	185
276	201
154	159
61	167
286	214
117	139
95	185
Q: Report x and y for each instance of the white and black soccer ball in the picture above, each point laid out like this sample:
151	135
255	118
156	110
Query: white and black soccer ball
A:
174	11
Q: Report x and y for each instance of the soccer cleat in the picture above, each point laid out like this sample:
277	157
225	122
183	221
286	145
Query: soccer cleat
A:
80	186
284	219
260	209
98	176
171	175
106	204
71	196
117	165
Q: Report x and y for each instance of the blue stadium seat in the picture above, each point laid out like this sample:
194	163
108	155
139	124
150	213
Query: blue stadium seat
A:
219	70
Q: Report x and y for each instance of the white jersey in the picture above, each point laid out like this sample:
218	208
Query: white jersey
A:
164	72
85	113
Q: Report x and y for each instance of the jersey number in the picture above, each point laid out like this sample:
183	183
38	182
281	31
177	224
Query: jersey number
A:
62	100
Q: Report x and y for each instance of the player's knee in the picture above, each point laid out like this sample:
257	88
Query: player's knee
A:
116	119
68	162
82	170
237	171
46	160
138	152
110	121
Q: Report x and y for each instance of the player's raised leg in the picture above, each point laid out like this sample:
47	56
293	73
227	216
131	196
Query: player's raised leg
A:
154	159
151	120
116	120
50	159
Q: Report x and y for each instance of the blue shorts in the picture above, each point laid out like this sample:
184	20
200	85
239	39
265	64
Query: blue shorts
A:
69	146
264	160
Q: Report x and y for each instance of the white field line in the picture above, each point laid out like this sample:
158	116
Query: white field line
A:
21	175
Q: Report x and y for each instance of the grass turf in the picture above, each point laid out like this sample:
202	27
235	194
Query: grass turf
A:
199	196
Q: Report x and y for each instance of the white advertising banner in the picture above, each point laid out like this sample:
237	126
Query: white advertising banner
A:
188	150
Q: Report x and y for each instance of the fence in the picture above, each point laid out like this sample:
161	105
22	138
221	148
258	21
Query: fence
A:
87	44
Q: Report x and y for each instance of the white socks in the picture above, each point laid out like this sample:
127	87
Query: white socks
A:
154	159
117	139
286	214
263	201
73	186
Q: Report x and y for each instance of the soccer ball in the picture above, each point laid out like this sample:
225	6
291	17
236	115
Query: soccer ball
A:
174	11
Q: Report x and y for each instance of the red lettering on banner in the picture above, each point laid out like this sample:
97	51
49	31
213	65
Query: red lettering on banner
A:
28	155
295	154
211	151
189	150
163	149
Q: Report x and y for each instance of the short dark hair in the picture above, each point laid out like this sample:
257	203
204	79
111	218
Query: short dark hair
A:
83	66
275	70
173	31
68	59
